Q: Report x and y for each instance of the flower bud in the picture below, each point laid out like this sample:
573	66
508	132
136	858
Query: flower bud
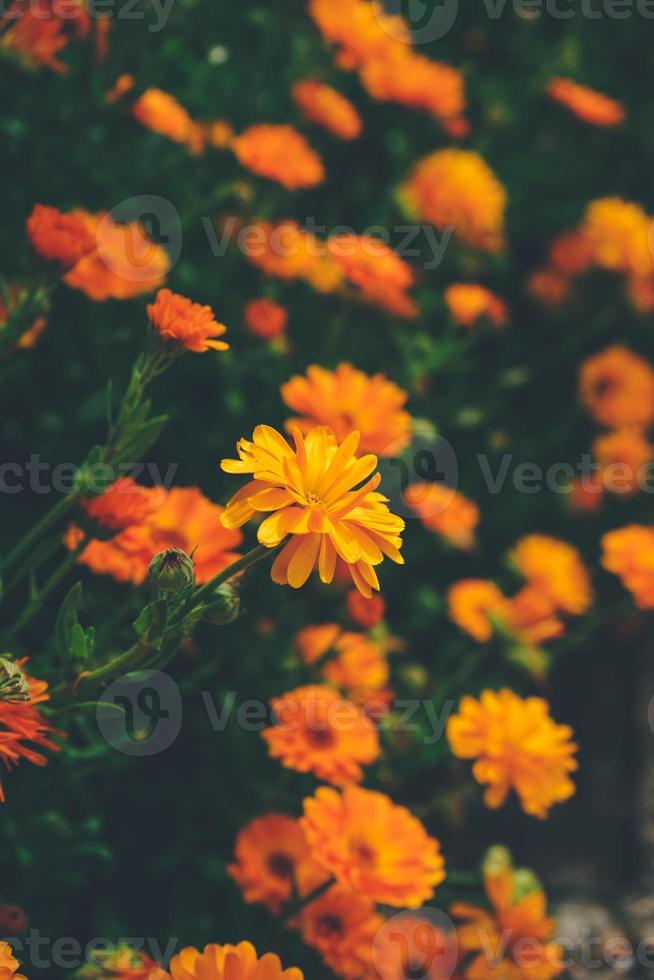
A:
225	606
14	686
497	860
171	571
525	882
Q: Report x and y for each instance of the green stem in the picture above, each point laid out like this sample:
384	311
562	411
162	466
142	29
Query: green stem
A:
121	664
51	584
26	544
247	561
301	903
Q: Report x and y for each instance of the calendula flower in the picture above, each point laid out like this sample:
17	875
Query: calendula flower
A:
445	511
271	857
266	319
514	939
617	233
185	324
323	496
10	303
456	188
624	456
287	251
123	504
347	398
58	237
323	105
373	847
9	964
22	726
279	153
556	569
125	262
342	926
531	617
412	946
418	83
617	388
473	604
629	553
162	113
469	302
585	103
380	275
229	963
316	730
365	612
361	29
517	746
313	642
359	667
36	36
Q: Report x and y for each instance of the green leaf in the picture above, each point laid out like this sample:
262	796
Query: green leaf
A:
151	623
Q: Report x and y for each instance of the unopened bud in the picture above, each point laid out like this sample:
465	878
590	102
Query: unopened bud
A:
497	860
225	606
14	686
525	882
171	571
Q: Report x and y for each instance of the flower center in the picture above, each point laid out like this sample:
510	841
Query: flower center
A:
313	499
281	866
329	926
320	737
363	852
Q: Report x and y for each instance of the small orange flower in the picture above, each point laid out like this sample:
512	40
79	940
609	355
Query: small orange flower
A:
229	963
162	113
468	302
359	667
585	103
271	857
456	188
362	30
57	237
184	323
517	746
365	612
265	318
36	36
317	731
381	275
473	604
629	553
342	926
373	847
9	964
531	617
623	456
123	84
571	253
555	569
279	153
617	233
445	511
22	725
287	251
418	83
313	642
347	398
617	388
323	105
123	504
586	494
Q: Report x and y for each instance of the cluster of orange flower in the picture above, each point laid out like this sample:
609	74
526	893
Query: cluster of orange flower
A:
22	724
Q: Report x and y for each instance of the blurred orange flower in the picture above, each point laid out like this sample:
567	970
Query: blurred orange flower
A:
468	302
185	324
555	569
445	511
365	612
342	926
629	553
22	725
123	504
618	235
473	604
617	388
361	29
36	35
418	83
58	237
287	251
591	106
279	153
411	945
266	319
229	963
359	667
162	113
323	105
313	642
623	456
382	276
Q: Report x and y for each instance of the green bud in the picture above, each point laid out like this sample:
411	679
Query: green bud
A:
171	571
225	606
14	686
497	860
525	882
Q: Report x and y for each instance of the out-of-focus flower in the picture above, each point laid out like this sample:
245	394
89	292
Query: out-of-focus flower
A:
468	302
271	857
548	286
185	324
473	604
58	237
342	926
617	388
531	617
586	494
373	847
9	964
571	253
22	726
287	251
628	552
617	232
445	511
121	963
123	84
323	105
585	103
347	399
123	504
217	133
124	263
316	730
456	188
381	275
313	642
323	496
279	153
229	963
35	36
623	456
9	304
411	945
361	29
365	612
162	113
266	319
555	569
517	746
359	667
419	83
13	920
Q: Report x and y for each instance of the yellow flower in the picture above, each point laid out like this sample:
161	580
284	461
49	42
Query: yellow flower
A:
323	496
229	963
556	570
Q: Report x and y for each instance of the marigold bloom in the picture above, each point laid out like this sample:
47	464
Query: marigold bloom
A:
342	926
362	30
381	275
185	324
57	237
9	964
617	232
457	188
123	504
617	388
266	319
469	302
124	263
517	747
36	36
585	103
287	251
623	456
445	511
229	963
629	553
556	569
313	642
279	153
418	83
323	105
360	667
473	604
373	847
22	726
365	612
270	857
412	946
531	617
317	731
316	494
162	113
347	398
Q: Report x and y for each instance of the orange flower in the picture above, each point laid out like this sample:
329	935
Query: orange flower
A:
123	504
218	133
35	36
517	747
591	106
342	926
473	604
556	570
360	668
229	963
323	496
457	188
365	612
531	617
418	83
347	398
162	113
123	84
376	270
468	302
266	319
548	286
586	494
124	264
15	294
617	388
313	642
57	237
22	725
373	847
184	323
287	251
623	456
571	253
13	920
270	858
362	30
323	105
9	964
617	233
279	153
412	946
317	731
445	511
629	553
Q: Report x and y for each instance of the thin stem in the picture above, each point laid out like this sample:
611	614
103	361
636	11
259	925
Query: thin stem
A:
247	561
123	663
26	544
51	584
301	903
